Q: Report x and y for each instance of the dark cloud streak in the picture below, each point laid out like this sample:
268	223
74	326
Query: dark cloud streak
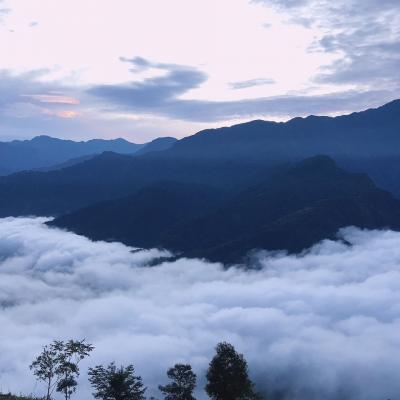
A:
152	93
162	96
251	83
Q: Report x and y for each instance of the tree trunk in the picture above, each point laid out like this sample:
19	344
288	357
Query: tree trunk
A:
48	389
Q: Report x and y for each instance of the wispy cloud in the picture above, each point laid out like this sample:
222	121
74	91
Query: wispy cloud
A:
3	10
31	104
52	98
364	34
344	51
66	114
251	83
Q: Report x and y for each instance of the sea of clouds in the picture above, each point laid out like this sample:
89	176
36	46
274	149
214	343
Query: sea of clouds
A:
321	325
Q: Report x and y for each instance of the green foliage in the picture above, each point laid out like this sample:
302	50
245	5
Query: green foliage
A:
182	385
72	353
45	366
112	383
227	376
58	366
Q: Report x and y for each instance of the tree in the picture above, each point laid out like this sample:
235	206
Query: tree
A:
73	352
182	385
45	366
114	383
227	376
58	366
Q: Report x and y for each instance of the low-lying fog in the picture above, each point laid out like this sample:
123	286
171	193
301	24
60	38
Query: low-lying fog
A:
322	325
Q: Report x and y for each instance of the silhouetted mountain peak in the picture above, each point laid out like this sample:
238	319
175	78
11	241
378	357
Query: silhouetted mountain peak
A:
317	163
163	139
115	141
43	139
257	123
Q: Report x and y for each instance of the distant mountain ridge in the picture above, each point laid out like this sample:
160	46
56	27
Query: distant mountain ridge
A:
227	157
159	144
366	141
48	153
233	175
45	151
370	133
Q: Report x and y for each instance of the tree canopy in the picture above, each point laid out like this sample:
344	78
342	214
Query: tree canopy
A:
227	376
116	383
183	383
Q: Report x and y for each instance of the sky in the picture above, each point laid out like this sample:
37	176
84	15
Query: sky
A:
319	325
147	68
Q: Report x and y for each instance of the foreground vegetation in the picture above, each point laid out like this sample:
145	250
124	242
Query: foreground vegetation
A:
9	396
57	368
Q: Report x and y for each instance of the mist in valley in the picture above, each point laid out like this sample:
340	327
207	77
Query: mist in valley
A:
320	325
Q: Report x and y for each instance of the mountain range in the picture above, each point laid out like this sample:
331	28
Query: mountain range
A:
45	152
293	208
220	193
